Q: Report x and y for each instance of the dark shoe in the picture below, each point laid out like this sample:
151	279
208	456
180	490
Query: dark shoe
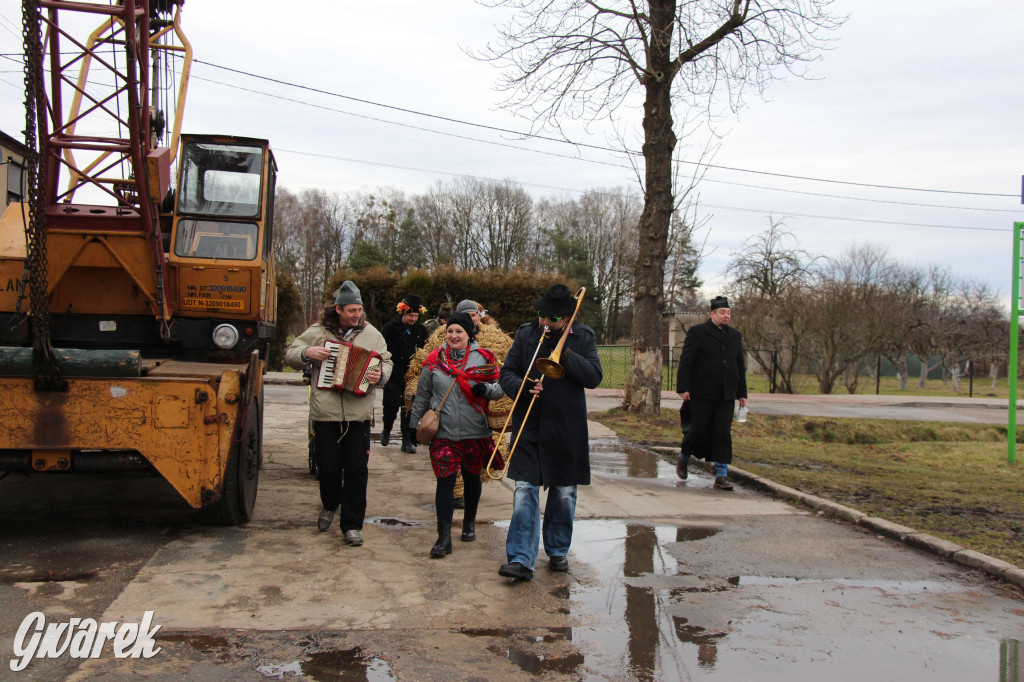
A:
353	538
722	483
682	471
460	502
323	522
385	438
409	447
443	546
515	570
558	563
468	530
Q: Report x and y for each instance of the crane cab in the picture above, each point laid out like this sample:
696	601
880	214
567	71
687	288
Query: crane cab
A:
220	255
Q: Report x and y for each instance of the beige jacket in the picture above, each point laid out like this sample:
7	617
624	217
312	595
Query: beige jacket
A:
339	406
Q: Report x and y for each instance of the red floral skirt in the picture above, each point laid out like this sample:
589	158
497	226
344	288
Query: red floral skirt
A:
447	457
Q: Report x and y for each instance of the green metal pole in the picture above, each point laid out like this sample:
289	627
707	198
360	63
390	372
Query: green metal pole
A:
1011	432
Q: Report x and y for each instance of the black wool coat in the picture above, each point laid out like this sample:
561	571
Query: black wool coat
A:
554	448
712	366
402	340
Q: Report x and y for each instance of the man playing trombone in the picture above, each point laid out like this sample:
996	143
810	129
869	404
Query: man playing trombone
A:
550	443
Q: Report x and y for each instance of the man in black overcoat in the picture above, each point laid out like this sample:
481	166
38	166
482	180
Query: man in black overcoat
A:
712	376
404	335
554	448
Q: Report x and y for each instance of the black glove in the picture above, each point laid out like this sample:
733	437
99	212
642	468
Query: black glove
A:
479	390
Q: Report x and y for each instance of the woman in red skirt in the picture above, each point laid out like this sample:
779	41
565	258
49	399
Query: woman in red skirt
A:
464	441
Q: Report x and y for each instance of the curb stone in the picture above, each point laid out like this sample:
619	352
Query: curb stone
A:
930	543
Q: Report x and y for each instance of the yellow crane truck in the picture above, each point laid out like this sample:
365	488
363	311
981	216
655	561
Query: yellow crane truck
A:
137	288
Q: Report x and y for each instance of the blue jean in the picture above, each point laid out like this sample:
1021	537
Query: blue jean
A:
721	468
524	531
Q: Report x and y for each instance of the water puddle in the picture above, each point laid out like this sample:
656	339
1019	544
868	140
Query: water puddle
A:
381	521
346	664
519	646
616	458
205	643
644	615
536	664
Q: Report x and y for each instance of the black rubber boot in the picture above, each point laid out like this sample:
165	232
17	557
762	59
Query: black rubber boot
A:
468	530
385	432
443	546
409	440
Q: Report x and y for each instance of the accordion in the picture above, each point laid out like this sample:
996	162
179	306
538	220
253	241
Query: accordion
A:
346	368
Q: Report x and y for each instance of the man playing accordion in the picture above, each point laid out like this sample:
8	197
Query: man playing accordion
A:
341	418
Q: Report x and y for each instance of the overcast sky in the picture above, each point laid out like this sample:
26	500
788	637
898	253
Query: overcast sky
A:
913	94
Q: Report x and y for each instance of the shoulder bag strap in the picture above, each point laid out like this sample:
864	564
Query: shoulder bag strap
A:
454	381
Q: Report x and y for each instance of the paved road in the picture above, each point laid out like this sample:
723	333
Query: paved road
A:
917	408
668	581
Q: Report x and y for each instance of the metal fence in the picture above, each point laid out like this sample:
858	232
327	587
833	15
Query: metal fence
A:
617	360
763	374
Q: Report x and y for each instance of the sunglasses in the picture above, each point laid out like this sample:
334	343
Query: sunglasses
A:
552	318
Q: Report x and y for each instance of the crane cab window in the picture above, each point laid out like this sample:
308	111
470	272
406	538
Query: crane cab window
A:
215	239
221	180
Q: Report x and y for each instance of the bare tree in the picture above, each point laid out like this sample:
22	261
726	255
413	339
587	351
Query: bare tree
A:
434	212
903	301
474	224
770	280
940	283
504	224
384	231
581	59
310	235
848	317
972	321
769	263
605	220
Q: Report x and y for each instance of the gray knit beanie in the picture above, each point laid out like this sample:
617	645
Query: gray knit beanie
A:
348	293
466	306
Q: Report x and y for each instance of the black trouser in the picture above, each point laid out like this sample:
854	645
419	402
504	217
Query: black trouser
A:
393	403
342	455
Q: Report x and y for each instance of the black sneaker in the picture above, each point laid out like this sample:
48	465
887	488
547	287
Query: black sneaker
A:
323	522
385	438
516	570
558	563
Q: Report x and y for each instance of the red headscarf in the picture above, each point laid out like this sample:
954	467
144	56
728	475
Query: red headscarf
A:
441	359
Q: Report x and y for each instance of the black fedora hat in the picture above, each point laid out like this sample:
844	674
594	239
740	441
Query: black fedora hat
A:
557	301
414	301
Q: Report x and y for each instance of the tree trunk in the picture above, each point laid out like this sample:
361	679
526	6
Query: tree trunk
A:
993	372
643	385
923	380
902	373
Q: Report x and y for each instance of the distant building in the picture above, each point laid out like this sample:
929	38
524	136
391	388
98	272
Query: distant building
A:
12	170
675	323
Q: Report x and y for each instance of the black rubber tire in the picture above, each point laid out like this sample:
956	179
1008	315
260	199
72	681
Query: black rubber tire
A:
241	477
